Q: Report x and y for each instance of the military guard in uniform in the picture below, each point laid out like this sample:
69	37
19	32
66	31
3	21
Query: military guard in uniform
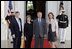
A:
63	24
9	18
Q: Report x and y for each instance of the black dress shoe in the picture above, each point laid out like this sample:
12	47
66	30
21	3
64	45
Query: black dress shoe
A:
11	41
62	42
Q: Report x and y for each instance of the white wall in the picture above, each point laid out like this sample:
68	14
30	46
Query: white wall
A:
3	26
53	6
17	6
21	6
4	12
67	6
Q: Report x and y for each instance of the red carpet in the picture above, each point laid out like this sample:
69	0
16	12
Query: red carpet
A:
46	44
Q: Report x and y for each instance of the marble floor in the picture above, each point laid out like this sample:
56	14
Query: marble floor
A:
66	45
7	44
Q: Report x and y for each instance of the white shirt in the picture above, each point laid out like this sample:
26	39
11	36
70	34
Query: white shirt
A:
19	24
39	19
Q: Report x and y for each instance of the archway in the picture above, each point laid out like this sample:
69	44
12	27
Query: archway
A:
33	6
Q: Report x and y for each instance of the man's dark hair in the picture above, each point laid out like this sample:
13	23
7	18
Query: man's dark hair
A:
12	12
39	11
16	12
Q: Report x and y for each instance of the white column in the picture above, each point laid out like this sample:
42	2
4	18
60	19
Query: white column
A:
21	7
51	6
46	11
67	7
3	22
4	12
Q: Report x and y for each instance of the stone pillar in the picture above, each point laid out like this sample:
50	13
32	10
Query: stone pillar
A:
67	7
51	6
3	23
21	7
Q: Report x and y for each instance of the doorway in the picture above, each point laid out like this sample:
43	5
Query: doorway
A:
33	6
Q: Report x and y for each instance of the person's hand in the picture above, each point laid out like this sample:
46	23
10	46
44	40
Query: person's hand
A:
45	36
33	36
13	35
24	38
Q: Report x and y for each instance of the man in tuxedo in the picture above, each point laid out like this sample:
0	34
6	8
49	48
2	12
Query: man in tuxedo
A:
16	30
39	30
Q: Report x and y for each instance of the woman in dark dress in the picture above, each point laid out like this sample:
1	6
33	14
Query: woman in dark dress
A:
52	30
28	32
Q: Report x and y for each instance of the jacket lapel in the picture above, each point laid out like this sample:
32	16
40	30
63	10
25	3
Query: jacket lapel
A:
40	22
16	22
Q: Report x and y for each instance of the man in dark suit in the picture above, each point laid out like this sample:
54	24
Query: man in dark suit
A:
16	30
39	30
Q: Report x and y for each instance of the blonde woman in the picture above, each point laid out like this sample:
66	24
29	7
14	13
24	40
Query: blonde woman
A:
28	32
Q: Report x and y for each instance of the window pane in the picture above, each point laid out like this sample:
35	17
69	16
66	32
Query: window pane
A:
29	5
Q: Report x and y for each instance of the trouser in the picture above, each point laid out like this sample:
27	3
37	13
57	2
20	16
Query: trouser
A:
62	34
16	42
37	41
28	42
10	37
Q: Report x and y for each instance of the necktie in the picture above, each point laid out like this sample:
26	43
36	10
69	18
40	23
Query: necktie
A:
39	22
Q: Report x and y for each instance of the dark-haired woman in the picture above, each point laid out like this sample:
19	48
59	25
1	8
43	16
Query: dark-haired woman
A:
52	29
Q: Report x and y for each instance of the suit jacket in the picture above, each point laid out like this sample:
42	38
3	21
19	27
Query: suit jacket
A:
15	27
62	21
39	30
